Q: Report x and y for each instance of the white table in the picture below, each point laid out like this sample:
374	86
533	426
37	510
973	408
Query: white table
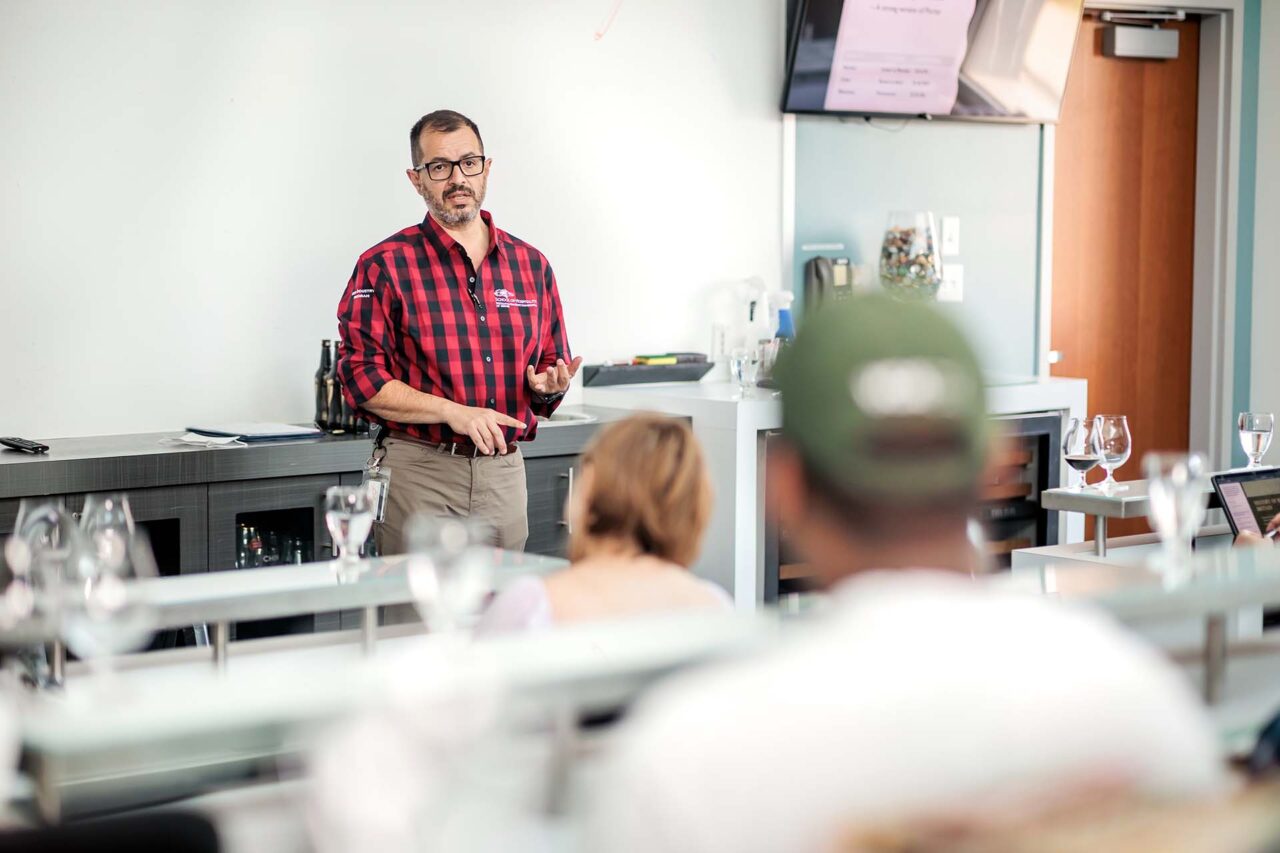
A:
1128	500
220	598
1214	584
170	732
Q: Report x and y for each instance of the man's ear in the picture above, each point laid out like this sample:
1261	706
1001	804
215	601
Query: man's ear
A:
786	495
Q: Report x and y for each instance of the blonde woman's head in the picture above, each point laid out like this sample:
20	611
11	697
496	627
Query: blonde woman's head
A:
643	484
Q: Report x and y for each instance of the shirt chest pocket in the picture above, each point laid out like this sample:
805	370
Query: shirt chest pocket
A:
515	317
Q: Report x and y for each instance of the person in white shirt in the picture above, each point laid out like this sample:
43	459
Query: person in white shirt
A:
921	696
638	514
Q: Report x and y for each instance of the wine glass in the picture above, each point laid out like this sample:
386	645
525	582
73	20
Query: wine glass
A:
104	610
107	523
45	549
1114	444
744	364
348	513
1177	502
1079	450
449	572
1255	435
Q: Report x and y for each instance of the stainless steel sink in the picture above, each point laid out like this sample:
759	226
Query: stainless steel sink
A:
565	419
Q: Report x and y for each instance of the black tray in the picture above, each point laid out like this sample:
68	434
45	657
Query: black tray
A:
631	374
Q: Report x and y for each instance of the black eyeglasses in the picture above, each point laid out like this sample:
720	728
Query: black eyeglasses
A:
440	170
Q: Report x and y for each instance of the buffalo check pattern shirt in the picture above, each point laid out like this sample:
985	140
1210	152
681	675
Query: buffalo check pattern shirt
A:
418	310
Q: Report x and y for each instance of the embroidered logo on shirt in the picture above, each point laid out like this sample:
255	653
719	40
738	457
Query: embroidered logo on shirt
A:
366	293
506	299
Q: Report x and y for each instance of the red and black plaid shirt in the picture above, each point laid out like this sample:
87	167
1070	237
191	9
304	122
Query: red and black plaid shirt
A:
416	310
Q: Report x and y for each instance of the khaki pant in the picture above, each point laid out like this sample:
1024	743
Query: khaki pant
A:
490	489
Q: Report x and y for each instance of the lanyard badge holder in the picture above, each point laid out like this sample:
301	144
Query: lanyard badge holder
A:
377	482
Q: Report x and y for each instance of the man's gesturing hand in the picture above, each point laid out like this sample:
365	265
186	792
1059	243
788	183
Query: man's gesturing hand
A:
556	379
482	426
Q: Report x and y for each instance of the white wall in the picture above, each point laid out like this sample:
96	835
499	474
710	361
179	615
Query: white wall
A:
1265	369
187	185
987	175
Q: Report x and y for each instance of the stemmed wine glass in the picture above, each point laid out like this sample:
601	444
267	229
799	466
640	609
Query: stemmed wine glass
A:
1079	449
449	574
1176	490
104	610
1255	435
744	364
348	513
42	551
107	523
1114	444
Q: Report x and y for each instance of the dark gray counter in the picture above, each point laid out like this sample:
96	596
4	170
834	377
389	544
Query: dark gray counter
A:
130	462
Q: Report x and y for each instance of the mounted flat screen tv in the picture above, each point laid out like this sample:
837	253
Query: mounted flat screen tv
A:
992	60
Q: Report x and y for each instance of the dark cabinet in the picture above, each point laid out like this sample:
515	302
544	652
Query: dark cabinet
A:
288	504
284	507
173	517
8	516
549	481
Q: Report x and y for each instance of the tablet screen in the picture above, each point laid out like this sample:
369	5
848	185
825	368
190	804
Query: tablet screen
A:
1251	503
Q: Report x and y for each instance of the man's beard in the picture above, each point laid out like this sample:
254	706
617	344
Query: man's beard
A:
447	215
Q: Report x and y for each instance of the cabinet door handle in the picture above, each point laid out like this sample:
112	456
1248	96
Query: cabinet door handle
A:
568	502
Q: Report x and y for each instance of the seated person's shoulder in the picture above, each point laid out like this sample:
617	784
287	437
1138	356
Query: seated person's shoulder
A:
522	605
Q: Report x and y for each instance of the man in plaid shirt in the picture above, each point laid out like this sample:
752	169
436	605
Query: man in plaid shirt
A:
454	340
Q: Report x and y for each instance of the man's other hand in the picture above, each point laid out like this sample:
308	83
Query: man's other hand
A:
555	379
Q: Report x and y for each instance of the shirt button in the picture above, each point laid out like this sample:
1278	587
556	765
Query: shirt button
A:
472	279
481	318
488	358
492	402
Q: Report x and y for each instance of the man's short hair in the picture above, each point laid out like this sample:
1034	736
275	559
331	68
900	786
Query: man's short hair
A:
875	520
440	121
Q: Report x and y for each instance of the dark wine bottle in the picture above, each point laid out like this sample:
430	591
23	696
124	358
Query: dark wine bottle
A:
333	391
348	411
322	404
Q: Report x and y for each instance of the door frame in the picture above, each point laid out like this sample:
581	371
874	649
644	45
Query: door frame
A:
1217	192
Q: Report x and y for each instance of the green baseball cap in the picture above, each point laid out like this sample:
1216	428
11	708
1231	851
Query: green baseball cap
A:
885	400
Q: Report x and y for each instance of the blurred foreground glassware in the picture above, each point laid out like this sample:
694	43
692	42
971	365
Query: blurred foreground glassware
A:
1114	445
104	611
348	513
1177	485
107	523
1256	429
1079	449
450	573
47	547
42	553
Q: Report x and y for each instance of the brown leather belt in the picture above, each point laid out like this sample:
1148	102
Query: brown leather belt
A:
453	448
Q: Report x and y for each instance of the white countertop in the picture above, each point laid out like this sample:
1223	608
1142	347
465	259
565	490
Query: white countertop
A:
720	403
723	404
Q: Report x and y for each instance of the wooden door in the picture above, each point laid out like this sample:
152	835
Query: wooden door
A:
1123	233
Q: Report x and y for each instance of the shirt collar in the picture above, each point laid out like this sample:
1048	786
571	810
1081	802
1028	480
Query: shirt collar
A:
498	239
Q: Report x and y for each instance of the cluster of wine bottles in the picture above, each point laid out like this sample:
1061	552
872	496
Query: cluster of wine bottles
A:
256	548
333	414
